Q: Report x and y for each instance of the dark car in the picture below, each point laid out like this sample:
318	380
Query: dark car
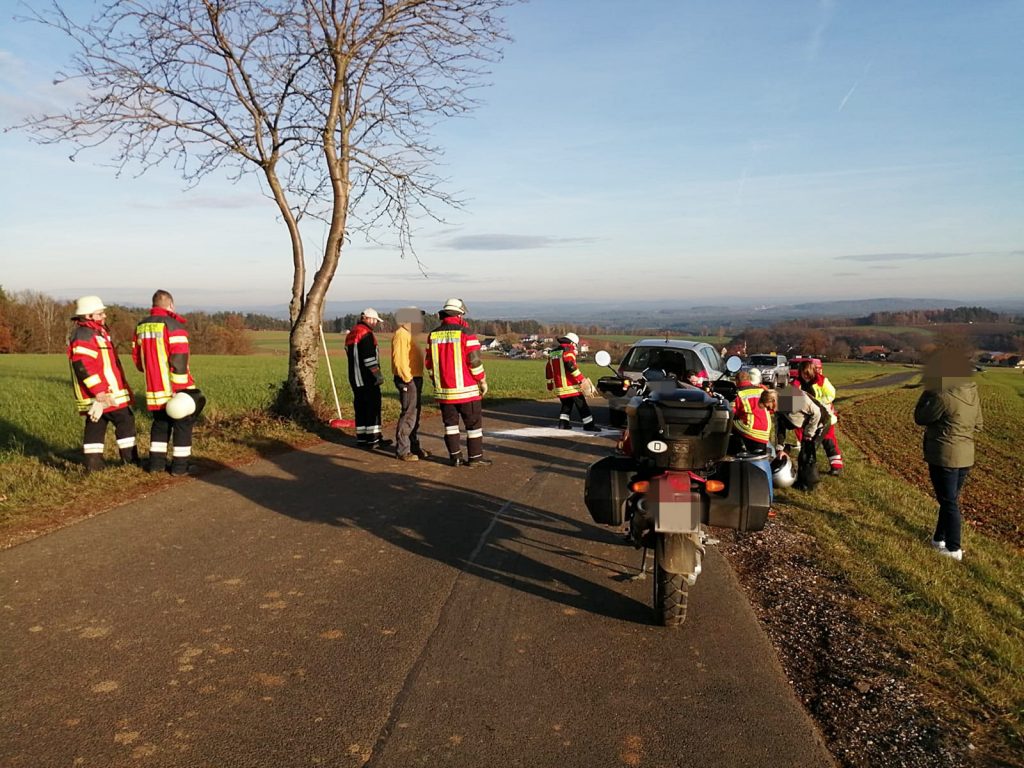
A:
676	357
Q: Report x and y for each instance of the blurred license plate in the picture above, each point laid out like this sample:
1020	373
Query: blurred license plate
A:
676	511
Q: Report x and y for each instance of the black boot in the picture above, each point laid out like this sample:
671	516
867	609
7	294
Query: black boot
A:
157	463
93	462
131	456
563	424
456	460
179	466
591	427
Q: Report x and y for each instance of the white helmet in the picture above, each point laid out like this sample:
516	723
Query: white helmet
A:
370	314
454	305
755	376
783	473
88	305
573	338
180	406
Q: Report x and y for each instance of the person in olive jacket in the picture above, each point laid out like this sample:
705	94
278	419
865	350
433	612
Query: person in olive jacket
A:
950	411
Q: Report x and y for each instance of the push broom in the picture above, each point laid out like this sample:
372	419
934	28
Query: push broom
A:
338	423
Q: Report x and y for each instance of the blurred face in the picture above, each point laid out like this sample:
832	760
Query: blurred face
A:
98	317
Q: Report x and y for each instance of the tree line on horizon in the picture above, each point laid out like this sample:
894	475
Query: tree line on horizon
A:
33	322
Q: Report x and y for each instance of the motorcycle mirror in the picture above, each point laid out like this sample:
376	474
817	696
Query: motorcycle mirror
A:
733	364
603	359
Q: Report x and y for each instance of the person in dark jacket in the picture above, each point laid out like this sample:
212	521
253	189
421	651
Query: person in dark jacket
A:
950	411
365	377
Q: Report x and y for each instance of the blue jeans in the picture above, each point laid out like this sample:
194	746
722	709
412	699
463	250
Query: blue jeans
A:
947	482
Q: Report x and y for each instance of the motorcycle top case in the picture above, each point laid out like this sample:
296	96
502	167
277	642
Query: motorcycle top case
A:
747	498
679	428
606	488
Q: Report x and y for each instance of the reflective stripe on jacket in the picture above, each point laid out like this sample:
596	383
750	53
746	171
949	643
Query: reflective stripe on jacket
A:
95	367
160	349
750	419
453	361
363	357
563	373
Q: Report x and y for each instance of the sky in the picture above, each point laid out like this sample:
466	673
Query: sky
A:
736	151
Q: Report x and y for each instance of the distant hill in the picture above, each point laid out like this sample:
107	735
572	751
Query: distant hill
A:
665	314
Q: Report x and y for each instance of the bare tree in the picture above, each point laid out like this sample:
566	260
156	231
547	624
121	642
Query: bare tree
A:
330	103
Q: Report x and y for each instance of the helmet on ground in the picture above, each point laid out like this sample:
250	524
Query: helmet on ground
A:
755	376
783	473
370	314
454	305
180	406
573	338
88	305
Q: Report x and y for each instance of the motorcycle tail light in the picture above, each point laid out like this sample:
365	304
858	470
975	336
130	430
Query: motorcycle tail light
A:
714	486
640	486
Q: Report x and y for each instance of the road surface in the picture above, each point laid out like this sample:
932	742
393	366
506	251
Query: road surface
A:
336	607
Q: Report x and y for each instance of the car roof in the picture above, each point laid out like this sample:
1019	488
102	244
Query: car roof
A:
671	343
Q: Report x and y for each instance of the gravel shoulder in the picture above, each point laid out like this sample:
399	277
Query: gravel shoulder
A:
855	684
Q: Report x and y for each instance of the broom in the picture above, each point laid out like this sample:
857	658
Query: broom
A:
338	423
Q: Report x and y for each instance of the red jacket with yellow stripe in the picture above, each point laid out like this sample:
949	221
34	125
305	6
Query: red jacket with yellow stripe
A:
750	418
453	362
160	349
95	367
563	374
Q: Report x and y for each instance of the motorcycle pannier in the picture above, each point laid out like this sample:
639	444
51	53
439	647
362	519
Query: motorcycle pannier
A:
748	494
606	488
679	429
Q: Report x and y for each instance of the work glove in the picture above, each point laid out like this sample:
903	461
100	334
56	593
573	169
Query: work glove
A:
551	385
482	386
95	411
378	379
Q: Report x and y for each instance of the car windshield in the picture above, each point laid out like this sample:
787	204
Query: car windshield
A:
675	361
763	360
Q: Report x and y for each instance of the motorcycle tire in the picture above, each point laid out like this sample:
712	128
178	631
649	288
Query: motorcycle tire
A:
671	595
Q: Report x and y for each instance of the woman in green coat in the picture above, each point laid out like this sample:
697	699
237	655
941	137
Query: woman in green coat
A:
950	411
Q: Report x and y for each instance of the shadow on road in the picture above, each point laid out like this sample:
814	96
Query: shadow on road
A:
427	512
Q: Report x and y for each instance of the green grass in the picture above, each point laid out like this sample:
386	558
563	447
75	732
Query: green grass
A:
961	623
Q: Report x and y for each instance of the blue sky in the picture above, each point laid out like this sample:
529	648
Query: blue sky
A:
727	151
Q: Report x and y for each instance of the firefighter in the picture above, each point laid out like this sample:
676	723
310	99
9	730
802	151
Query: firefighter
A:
751	423
101	389
814	382
457	373
365	377
565	379
160	349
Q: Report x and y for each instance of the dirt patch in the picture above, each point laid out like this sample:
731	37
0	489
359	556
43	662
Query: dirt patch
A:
855	684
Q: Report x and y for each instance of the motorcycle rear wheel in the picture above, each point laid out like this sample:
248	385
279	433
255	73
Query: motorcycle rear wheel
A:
671	595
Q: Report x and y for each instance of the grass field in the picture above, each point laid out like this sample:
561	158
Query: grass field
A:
961	623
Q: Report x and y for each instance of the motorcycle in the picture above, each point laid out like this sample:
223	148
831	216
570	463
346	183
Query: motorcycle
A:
671	476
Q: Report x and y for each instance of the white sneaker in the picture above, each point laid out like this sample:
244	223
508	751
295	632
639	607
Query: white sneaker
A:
937	544
957	555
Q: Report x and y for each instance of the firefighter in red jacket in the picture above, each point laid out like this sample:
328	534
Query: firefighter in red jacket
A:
751	423
160	349
457	373
565	379
365	378
101	389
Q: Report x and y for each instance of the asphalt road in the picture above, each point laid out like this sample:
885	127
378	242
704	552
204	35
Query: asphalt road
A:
340	608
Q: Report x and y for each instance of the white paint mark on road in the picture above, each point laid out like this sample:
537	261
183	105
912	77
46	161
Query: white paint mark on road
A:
526	433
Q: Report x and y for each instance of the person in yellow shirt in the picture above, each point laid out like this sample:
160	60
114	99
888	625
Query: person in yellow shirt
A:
407	366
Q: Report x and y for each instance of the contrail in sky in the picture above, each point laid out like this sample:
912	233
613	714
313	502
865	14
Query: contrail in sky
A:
853	88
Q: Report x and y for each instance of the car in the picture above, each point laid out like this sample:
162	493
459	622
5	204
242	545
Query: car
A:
676	357
774	368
